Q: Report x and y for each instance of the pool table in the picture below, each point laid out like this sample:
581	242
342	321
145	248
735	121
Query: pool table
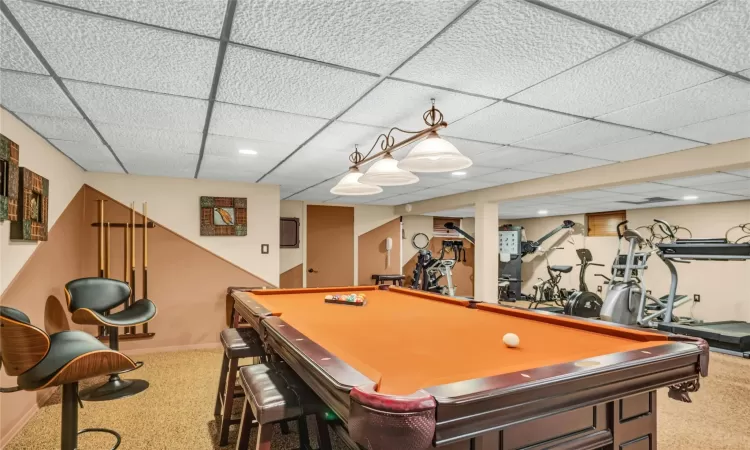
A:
414	370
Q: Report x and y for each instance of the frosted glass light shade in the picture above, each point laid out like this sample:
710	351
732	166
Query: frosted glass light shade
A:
434	154
385	172
350	185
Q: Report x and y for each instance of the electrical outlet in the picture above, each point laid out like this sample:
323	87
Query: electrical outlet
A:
599	289
696	298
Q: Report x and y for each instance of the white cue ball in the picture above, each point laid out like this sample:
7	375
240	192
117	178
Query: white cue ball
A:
511	340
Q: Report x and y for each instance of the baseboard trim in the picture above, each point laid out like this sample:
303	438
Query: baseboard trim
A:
173	348
7	437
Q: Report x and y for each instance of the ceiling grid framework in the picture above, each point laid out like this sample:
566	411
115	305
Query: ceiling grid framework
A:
560	86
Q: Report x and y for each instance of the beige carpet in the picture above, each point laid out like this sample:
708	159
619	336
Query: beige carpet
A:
176	412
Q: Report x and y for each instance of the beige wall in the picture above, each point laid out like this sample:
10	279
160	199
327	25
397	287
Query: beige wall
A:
292	257
423	224
65	180
721	285
174	202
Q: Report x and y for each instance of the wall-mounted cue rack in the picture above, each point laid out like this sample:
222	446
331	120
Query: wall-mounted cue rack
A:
129	267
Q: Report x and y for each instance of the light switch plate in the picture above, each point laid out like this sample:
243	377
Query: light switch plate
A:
264	249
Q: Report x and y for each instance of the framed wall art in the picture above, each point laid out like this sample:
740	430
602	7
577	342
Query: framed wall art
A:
8	179
33	207
223	216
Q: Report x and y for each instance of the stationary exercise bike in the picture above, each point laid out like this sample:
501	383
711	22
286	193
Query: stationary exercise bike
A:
429	270
584	303
549	290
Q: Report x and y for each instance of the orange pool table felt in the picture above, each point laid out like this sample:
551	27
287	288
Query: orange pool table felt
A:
407	340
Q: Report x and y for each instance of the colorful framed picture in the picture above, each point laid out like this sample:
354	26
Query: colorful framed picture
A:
33	207
223	216
8	179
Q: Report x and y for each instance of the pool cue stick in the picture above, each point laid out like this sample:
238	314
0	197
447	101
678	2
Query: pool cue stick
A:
102	329
126	266
108	251
132	260
145	257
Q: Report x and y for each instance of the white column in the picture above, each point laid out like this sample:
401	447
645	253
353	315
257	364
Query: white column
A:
485	253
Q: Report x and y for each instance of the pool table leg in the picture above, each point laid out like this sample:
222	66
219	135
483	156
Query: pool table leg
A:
488	441
265	433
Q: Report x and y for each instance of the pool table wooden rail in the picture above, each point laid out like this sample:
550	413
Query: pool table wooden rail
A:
476	410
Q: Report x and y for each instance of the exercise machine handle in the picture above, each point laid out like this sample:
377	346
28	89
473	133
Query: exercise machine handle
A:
665	228
619	233
596	264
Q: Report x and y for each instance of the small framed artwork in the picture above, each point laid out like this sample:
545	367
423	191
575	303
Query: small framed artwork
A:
223	216
33	207
8	179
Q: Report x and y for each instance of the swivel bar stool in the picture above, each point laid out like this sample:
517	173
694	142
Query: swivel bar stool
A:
90	299
40	361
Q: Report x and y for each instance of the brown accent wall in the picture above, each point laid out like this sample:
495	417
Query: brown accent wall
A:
463	272
292	278
187	282
53	263
371	254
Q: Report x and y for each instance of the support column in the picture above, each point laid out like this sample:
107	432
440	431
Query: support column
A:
485	253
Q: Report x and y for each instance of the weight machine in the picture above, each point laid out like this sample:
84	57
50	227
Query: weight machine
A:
429	271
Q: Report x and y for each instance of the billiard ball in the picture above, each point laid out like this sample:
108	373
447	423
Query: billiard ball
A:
511	340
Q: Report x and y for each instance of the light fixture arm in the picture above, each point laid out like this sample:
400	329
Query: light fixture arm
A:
388	144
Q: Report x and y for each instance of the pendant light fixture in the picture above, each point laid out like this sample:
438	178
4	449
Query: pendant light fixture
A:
387	173
350	185
433	154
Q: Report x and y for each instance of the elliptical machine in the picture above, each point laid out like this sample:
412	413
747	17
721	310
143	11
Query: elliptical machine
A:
584	303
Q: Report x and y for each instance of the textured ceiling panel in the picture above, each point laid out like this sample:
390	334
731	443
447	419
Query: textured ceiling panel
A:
14	53
640	147
203	17
138	108
501	47
743	173
124	138
730	187
563	164
228	146
629	75
718	35
159	164
470	173
505	123
631	16
64	128
703	180
34	94
86	48
262	124
723	129
716	98
263	80
341	137
586	195
469	185
237	167
472	148
373	35
634	188
581	136
510	176
319	193
94	157
395	103
511	156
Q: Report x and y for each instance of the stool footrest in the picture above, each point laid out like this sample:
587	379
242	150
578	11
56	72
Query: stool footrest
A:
104	430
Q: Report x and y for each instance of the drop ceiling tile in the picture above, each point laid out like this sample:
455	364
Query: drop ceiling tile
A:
228	146
393	201
470	173
468	185
350	34
264	80
563	164
138	108
141	140
320	193
581	136
395	103
94	157
64	128
500	47
631	16
505	157
741	184
471	148
640	147
742	173
504	123
714	131
34	94
633	188
263	124
587	194
159	164
14	53
510	176
203	17
740	192
717	35
702	180
88	48
342	137
248	166
629	75
716	98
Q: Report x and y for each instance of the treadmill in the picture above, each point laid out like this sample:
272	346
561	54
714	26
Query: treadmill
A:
729	336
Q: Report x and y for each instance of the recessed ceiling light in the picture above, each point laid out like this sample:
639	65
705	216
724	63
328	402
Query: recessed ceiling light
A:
690	197
247	151
458	174
542	212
